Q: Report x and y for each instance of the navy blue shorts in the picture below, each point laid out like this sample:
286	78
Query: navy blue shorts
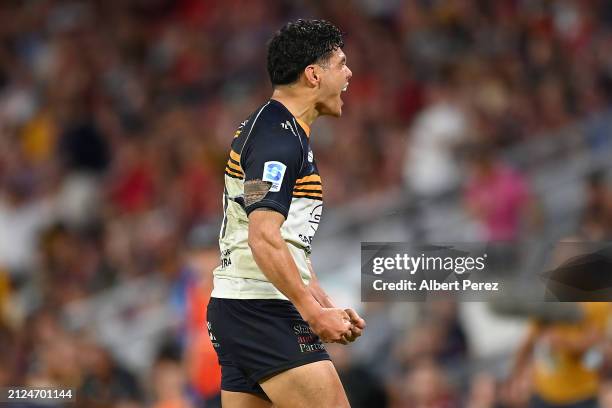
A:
257	339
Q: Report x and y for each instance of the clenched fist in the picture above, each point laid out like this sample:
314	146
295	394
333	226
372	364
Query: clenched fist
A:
332	325
357	325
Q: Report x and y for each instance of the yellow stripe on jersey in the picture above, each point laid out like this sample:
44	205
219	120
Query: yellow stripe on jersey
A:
310	188
234	167
235	156
312	177
234	173
304	126
305	193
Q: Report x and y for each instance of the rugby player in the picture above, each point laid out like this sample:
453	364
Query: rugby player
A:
268	317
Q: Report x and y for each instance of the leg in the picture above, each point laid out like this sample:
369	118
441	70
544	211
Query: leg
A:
311	385
230	399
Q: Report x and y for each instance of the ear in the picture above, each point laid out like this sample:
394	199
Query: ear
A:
312	75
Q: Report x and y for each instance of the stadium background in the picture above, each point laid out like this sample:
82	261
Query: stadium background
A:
115	123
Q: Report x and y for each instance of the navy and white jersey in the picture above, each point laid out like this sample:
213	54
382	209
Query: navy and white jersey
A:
271	146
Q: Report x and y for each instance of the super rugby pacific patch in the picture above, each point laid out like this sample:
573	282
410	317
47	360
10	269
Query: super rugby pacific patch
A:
274	172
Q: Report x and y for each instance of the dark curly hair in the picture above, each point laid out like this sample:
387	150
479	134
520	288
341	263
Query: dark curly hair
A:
299	44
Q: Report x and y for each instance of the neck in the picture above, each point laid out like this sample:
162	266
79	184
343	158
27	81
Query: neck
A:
300	104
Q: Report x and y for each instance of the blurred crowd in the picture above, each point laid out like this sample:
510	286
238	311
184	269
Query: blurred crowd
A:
115	124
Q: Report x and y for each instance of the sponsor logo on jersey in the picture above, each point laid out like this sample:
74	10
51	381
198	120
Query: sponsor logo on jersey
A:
226	261
315	217
287	126
274	172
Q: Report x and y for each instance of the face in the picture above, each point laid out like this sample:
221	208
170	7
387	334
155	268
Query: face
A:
334	79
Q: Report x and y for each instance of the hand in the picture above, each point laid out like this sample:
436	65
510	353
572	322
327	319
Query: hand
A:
357	325
331	325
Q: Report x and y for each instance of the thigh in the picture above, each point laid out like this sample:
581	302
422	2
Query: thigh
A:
230	399
312	385
233	377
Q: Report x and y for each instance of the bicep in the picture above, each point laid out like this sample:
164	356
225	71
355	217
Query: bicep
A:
264	223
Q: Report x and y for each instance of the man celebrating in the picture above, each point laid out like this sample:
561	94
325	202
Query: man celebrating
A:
268	316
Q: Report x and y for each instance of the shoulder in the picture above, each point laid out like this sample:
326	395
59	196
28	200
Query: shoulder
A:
273	130
273	119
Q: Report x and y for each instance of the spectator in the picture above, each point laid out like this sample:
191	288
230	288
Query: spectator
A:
169	383
431	165
483	392
596	223
497	197
566	359
104	381
362	388
115	124
425	386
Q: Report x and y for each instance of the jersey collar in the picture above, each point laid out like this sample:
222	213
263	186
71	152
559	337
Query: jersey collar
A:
302	124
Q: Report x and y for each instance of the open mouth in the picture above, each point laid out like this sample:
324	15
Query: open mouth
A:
345	87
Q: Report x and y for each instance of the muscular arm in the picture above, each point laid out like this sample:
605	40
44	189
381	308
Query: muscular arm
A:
274	259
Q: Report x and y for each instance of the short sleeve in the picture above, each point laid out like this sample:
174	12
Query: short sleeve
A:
275	158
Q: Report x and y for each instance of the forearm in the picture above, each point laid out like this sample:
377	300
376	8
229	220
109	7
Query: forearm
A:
319	294
275	261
